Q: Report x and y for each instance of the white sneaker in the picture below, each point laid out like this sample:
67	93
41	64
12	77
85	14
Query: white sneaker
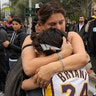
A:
1	93
94	94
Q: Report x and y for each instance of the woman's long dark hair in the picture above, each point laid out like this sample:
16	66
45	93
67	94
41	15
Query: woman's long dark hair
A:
48	38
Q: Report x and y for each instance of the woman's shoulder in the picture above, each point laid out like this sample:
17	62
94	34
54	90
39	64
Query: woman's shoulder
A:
73	35
27	40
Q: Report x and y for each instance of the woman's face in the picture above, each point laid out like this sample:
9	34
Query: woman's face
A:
39	28
57	21
16	26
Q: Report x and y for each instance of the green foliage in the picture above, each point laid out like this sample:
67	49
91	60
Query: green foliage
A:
18	7
74	8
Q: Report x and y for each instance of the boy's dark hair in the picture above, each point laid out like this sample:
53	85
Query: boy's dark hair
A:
48	41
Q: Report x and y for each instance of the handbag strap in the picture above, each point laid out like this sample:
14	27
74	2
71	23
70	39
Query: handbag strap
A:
27	46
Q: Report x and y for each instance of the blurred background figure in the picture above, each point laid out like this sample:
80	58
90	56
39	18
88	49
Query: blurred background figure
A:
92	39
73	23
80	29
80	26
35	20
16	41
8	26
4	68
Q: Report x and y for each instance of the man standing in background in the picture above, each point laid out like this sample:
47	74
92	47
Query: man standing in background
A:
80	29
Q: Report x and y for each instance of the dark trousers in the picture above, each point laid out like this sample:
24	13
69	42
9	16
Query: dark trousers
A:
2	81
93	62
3	72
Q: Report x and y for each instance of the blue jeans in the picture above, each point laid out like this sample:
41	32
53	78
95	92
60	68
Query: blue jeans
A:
12	62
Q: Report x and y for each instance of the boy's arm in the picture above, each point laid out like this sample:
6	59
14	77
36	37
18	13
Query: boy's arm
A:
29	84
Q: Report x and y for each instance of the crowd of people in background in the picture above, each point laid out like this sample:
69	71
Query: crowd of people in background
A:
13	33
86	28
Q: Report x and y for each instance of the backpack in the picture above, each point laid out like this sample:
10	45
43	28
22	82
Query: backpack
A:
14	80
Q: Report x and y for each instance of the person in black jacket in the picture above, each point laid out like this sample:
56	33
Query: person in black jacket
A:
92	40
16	41
3	58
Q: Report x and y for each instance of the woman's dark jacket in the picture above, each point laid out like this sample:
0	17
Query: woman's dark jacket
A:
16	45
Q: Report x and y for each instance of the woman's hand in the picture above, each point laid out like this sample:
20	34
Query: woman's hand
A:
44	74
66	48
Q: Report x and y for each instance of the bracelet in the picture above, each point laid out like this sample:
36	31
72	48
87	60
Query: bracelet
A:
59	56
62	64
